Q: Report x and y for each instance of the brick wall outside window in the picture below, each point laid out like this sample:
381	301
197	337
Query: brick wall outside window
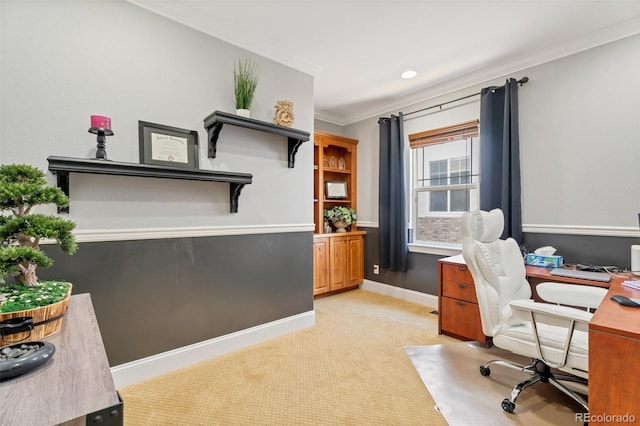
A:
439	229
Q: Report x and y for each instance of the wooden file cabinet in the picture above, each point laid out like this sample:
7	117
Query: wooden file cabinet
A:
338	261
458	312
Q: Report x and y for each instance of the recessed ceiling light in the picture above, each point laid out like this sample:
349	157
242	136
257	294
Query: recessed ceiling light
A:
408	74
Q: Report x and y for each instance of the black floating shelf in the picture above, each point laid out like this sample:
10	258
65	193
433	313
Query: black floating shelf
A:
213	124
62	166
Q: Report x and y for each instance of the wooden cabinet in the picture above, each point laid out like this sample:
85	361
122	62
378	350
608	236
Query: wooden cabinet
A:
458	312
355	259
320	265
334	160
337	261
338	258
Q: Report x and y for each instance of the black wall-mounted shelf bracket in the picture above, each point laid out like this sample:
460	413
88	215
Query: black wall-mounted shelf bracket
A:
62	166
213	124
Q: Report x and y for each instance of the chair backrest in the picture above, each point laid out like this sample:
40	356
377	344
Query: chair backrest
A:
496	265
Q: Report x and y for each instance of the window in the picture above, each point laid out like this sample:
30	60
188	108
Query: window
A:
445	182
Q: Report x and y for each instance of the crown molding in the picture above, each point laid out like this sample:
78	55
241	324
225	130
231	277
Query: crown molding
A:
236	38
607	35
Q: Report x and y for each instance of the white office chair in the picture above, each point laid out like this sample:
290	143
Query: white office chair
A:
553	336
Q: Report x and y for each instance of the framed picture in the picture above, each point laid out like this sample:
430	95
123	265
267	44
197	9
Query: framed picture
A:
167	146
336	189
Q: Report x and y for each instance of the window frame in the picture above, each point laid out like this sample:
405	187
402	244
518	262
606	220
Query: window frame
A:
464	131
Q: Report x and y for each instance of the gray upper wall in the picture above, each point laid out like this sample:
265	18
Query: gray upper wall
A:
62	62
579	141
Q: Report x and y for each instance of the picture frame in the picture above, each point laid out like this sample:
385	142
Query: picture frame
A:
167	146
336	189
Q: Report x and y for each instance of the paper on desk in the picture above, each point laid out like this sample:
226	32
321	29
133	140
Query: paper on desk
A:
632	284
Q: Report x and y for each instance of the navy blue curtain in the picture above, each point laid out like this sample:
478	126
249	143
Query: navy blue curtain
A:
392	205
500	155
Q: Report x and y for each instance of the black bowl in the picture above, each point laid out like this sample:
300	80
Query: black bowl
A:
23	363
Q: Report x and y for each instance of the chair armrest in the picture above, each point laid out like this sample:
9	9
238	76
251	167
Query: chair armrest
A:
571	294
551	314
571	319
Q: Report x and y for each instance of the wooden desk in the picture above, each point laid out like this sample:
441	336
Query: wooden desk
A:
74	387
538	274
459	315
614	368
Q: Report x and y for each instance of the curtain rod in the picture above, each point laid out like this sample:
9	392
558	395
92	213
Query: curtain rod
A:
522	81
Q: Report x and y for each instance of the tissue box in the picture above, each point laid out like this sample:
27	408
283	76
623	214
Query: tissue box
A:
546	261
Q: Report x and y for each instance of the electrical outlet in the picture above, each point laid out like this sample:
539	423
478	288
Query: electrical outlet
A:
376	269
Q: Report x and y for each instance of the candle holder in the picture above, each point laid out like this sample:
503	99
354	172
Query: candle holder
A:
101	152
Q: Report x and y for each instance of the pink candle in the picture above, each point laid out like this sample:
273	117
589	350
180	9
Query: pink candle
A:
100	121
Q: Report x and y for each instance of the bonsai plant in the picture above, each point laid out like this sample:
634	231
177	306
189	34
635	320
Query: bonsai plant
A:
341	217
23	187
245	81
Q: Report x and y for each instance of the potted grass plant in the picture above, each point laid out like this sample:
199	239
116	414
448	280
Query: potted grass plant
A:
23	187
245	81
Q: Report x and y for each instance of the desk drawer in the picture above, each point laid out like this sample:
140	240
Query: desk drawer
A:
456	273
461	319
457	283
459	290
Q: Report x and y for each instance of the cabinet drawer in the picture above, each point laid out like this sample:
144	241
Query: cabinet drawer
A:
459	290
462	319
457	273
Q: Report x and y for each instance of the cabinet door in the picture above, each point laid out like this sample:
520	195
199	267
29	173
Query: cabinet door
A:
356	259
320	265
338	262
462	319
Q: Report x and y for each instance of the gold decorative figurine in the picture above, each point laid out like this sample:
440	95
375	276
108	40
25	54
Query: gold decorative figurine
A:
284	113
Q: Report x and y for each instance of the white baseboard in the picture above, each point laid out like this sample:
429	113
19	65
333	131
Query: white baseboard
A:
401	293
162	363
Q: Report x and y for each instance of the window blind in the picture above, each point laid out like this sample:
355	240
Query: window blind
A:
465	130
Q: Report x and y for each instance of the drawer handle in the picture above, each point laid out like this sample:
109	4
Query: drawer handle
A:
462	268
462	285
461	303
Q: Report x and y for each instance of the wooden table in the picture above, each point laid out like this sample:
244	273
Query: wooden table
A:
614	367
75	387
539	274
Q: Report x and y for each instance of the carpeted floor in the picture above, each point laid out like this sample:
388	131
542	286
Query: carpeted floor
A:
349	369
465	397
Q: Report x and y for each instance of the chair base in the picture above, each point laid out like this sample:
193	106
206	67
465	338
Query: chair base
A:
541	372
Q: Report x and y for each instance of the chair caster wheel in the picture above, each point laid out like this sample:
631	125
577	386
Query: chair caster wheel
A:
485	371
508	406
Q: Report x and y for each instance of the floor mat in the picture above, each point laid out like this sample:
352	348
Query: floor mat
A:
465	397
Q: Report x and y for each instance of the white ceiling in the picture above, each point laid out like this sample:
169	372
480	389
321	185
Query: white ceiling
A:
357	49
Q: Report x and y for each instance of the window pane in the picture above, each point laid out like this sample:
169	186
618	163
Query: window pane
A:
438	172
438	201
460	200
438	228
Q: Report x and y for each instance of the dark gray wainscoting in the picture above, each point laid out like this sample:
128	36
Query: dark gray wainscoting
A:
422	273
422	269
586	249
151	296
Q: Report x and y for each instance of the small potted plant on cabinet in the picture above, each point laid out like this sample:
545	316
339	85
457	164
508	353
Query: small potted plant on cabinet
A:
245	81
23	187
341	217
